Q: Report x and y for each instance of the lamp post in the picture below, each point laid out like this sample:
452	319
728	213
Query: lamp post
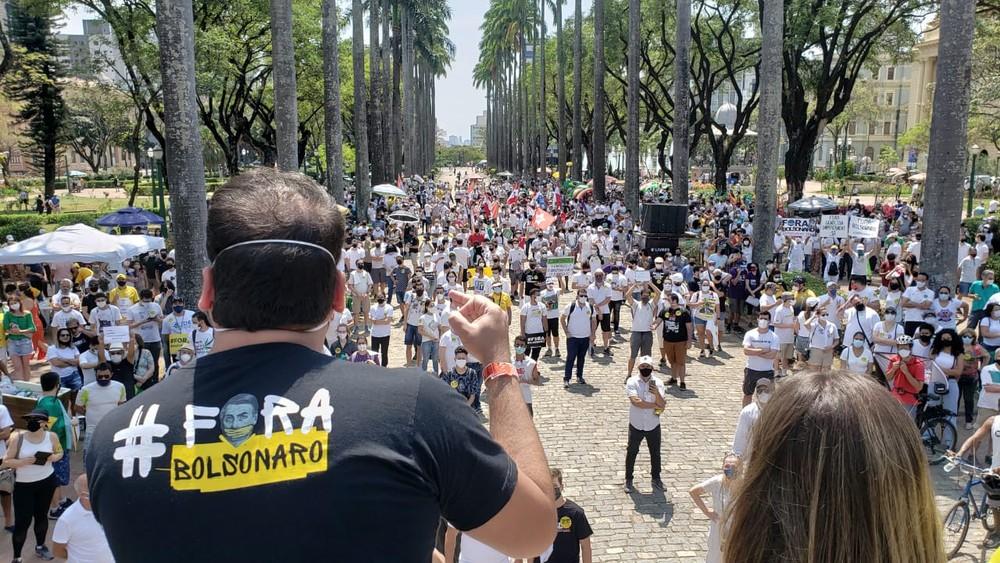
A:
976	153
155	155
725	116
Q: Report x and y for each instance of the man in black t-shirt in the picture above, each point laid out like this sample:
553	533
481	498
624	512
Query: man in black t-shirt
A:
339	457
677	338
572	529
533	277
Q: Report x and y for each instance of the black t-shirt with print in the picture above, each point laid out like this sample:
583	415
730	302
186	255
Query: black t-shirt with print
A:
675	323
288	455
572	526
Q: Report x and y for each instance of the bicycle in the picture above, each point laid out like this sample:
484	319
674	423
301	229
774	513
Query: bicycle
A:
937	433
956	521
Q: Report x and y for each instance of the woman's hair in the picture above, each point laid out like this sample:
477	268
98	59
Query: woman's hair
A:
837	475
957	347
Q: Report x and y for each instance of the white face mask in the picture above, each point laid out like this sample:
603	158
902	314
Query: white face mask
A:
184	358
460	363
15	306
763	398
904	353
763	323
890	317
921	284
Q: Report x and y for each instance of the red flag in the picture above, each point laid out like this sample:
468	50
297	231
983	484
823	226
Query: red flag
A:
495	209
542	219
512	198
399	181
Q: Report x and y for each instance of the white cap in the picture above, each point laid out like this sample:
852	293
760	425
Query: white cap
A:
645	361
860	248
658	260
677	277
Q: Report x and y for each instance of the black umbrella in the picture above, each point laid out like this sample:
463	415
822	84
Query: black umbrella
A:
813	205
403	217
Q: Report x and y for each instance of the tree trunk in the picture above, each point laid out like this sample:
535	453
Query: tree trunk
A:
769	134
286	113
375	115
682	103
543	136
362	182
600	156
385	93
578	93
332	120
947	154
409	109
182	147
632	140
398	145
561	92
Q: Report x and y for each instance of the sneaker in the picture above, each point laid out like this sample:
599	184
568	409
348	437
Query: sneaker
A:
9	529
701	354
683	385
558	355
43	553
629	487
548	353
56	512
17	560
581	381
663	362
592	353
657	484
672	381
992	541
566	384
65	503
607	353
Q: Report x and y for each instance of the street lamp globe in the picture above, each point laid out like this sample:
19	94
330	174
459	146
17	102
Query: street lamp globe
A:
725	116
155	153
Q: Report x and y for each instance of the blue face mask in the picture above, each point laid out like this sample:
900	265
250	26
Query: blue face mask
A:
729	471
178	308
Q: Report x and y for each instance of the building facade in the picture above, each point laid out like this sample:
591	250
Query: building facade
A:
477	132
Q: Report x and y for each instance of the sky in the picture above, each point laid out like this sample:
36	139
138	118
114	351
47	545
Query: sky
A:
458	101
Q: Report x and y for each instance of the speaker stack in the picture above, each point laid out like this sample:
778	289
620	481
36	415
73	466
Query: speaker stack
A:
661	227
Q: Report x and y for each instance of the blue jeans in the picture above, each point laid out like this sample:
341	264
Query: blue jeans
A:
429	351
576	354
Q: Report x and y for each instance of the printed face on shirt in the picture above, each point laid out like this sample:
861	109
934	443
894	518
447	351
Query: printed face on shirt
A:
238	417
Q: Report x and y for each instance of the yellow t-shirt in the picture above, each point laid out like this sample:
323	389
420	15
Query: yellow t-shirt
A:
3	332
82	274
503	301
118	293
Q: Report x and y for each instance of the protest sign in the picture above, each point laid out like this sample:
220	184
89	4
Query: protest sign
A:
559	266
116	334
833	226
796	227
642	276
861	227
177	341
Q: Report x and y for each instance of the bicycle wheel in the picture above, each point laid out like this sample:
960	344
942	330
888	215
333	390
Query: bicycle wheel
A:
956	526
938	436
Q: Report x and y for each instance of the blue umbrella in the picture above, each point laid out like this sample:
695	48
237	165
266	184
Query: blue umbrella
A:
130	217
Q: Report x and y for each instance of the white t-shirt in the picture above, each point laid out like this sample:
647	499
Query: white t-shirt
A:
643	419
378	313
60	317
89	357
967	269
525	368
474	551
946	313
856	364
741	439
100	400
83	536
989	375
912	314
768	341
150	331
642	316
5	421
203	341
823	337
597	294
169	276
533	317
172	324
783	315
64	353
361	280
429	322
578	321
100	318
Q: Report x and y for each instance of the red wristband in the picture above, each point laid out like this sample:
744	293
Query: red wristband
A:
496	370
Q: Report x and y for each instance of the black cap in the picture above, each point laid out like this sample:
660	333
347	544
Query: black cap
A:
799	279
36	413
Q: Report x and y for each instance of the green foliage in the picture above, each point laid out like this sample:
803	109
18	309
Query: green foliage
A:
918	136
887	157
813	283
98	117
20	226
450	156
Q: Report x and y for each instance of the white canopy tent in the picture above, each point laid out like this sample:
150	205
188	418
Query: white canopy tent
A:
78	243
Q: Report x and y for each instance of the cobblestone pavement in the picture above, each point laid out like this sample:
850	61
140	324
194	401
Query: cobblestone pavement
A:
584	431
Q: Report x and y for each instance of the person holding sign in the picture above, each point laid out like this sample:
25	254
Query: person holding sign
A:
122	360
176	327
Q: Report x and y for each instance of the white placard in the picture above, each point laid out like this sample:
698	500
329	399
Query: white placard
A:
833	226
642	276
116	334
796	227
863	228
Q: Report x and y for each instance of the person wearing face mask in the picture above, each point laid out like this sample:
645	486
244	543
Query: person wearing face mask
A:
705	305
104	314
175	329
989	328
533	320
658	275
678	335
98	398
975	357
720	489
831	301
748	418
922	341
502	300
947	309
381	317
823	336
643	317
361	353
65	360
122	361
145	317
65	313
429	333
19	326
77	536
31	454
861	319
572	543
185	357
906	372
169	273
61	424
342	347
65	290
761	347
856	358
123	295
463	378
947	355
914	302
884	337
550	299
982	292
783	324
412	313
645	393
578	321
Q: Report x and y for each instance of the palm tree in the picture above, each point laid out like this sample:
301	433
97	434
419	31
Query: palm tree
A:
598	165
543	136
375	147
632	140
386	95
286	113
409	101
578	93
560	91
333	127
768	123
362	180
947	154
184	152
682	103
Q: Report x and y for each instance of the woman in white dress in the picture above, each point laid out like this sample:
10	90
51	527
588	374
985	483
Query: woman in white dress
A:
720	489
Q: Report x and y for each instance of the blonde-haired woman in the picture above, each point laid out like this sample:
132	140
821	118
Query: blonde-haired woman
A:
720	489
834	479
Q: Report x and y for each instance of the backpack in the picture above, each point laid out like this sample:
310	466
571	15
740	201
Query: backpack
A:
832	269
572	307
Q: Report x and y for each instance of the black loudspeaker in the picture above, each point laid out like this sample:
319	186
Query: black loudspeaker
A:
657	244
664	218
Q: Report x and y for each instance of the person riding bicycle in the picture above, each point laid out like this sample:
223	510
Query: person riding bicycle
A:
991	482
905	373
